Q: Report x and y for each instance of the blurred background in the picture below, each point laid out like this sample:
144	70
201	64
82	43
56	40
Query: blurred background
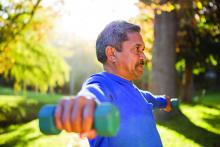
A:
47	50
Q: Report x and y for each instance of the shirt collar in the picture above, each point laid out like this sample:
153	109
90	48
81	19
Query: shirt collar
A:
117	78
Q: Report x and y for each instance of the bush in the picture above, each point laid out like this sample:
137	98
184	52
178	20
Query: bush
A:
16	109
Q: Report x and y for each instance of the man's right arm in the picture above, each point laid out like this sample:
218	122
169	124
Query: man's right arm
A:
76	114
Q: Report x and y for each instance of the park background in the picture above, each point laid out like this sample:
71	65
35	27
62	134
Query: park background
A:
47	50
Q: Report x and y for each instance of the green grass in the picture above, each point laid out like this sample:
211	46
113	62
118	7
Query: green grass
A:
18	107
18	123
212	99
28	135
198	124
39	97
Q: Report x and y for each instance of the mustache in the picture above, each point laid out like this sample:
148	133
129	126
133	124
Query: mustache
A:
141	62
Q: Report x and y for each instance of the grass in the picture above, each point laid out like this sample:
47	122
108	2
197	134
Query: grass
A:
19	123
28	135
22	107
39	97
199	124
17	109
196	127
211	99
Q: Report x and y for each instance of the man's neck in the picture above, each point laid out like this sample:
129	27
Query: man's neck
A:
111	69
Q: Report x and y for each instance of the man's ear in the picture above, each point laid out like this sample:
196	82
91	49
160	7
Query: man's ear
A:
110	53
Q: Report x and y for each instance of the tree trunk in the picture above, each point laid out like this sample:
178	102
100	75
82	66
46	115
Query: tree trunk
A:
24	88
187	84
164	56
51	90
186	23
72	82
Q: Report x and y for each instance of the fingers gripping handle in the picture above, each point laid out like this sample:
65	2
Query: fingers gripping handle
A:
106	120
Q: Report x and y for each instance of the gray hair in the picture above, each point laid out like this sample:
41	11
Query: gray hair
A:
113	35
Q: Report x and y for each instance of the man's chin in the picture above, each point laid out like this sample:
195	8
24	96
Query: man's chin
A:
138	74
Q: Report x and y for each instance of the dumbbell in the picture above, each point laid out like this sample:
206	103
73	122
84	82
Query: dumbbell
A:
174	103
106	120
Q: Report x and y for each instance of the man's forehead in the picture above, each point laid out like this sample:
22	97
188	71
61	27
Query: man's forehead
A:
136	37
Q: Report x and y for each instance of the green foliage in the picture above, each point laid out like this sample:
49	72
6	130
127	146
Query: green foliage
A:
26	56
14	17
198	34
37	66
15	109
198	40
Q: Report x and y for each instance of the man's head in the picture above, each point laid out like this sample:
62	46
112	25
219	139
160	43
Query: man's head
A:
120	48
113	35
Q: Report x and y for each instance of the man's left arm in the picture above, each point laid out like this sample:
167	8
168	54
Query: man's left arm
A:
158	101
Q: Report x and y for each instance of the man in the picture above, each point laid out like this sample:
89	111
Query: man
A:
120	48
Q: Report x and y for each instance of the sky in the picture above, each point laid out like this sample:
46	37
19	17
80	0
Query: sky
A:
86	18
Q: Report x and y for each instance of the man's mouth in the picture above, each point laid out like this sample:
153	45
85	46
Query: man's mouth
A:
141	62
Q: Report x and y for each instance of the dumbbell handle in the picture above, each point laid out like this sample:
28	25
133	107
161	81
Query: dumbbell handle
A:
174	102
106	120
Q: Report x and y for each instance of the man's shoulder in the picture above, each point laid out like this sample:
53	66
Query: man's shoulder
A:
97	78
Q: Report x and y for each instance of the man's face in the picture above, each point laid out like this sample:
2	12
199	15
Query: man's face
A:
130	61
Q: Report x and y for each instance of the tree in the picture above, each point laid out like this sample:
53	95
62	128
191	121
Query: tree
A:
15	16
163	55
198	41
33	61
163	75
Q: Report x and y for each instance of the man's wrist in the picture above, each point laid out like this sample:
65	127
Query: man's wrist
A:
168	107
89	96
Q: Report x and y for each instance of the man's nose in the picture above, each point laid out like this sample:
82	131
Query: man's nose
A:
143	56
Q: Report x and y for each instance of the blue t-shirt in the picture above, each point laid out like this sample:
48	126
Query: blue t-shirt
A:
137	126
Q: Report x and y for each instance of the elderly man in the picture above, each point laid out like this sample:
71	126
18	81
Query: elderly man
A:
120	48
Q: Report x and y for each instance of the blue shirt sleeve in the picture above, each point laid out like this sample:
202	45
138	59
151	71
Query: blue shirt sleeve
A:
95	89
158	101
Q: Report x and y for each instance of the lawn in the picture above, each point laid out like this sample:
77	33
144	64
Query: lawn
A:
198	124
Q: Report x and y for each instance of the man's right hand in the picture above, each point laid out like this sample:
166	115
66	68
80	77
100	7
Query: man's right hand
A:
76	115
